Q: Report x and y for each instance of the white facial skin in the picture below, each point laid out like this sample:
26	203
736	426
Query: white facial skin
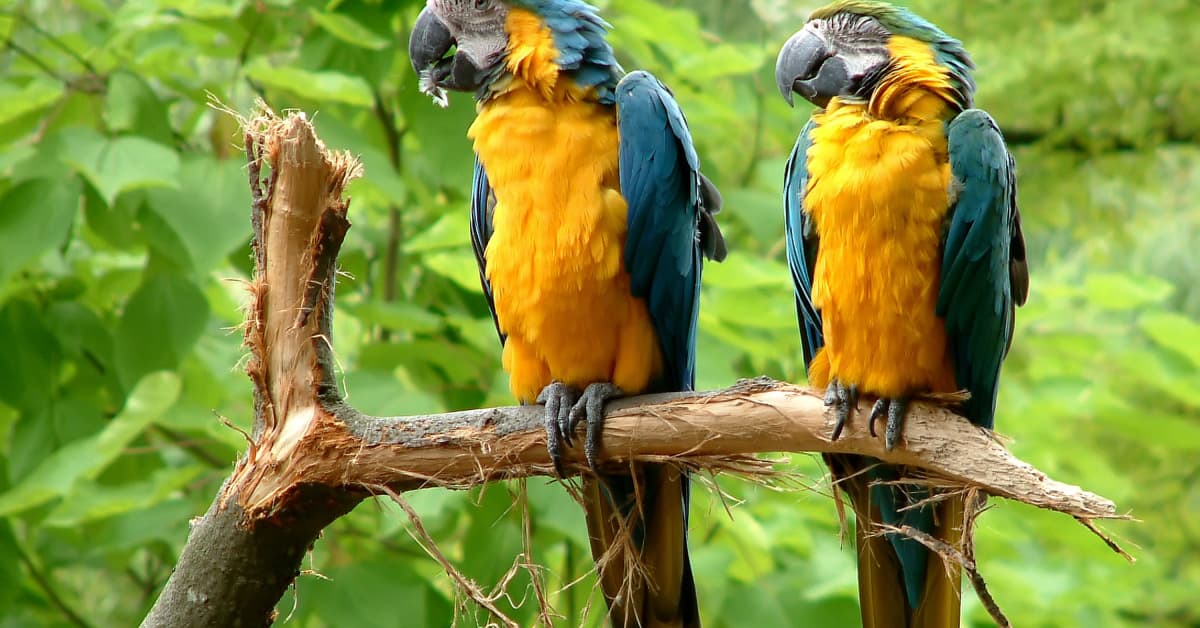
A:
477	27
860	42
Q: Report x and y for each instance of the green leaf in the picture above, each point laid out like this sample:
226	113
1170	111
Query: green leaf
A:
162	321
10	570
207	9
1121	291
35	216
382	394
163	523
744	272
722	60
94	501
130	105
32	439
458	266
85	459
117	223
348	30
118	165
318	86
1175	332
367	592
29	371
207	212
755	605
451	230
399	316
34	95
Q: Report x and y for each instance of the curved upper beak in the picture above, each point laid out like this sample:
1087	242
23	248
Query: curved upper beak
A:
801	69
429	42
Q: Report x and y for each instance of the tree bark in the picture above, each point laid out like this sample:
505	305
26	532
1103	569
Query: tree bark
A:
312	458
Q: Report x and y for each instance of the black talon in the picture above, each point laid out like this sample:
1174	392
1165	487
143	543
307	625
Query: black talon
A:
590	406
894	423
559	400
846	400
893	409
879	409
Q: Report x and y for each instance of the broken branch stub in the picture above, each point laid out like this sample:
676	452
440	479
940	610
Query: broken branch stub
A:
299	223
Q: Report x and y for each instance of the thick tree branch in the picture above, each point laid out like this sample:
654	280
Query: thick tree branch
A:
312	457
464	448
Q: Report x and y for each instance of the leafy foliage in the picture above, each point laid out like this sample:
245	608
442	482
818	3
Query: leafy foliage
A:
123	211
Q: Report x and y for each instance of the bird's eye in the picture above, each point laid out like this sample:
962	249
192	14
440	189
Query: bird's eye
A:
482	4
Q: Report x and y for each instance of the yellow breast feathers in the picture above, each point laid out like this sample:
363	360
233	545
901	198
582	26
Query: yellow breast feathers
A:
878	193
555	256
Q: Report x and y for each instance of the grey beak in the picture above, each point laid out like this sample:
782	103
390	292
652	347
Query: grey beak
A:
429	42
798	68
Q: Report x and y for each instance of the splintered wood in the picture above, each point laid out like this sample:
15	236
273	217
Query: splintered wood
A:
299	220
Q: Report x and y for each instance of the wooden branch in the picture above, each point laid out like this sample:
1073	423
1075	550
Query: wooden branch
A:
312	457
464	448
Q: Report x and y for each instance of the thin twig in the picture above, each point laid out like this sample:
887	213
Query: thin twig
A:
191	445
462	583
535	570
1113	545
58	43
952	554
38	62
47	585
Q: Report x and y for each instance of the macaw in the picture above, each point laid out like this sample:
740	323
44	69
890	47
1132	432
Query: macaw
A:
905	248
589	221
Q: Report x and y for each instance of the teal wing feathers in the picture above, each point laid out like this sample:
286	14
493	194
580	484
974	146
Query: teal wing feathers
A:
984	272
483	202
802	243
670	218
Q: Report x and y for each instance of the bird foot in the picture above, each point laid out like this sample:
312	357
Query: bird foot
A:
565	408
894	409
844	400
559	399
591	407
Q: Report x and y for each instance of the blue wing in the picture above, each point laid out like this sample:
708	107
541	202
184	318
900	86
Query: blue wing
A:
483	202
801	243
670	219
984	272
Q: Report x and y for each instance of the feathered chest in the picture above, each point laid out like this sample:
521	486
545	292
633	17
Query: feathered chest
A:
878	196
555	257
559	215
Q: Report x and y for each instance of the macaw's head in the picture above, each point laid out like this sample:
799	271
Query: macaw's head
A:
473	30
847	48
468	45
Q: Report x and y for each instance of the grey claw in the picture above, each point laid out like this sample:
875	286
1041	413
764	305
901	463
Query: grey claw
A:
895	423
846	400
590	406
558	399
878	410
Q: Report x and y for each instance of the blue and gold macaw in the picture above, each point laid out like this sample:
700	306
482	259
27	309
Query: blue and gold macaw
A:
905	247
589	220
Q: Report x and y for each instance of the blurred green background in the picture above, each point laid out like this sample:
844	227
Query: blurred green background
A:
124	239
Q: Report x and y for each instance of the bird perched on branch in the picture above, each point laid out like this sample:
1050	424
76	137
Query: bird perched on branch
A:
589	219
906	252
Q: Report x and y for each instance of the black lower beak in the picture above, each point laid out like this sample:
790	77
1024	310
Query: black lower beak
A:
428	46
807	65
429	42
